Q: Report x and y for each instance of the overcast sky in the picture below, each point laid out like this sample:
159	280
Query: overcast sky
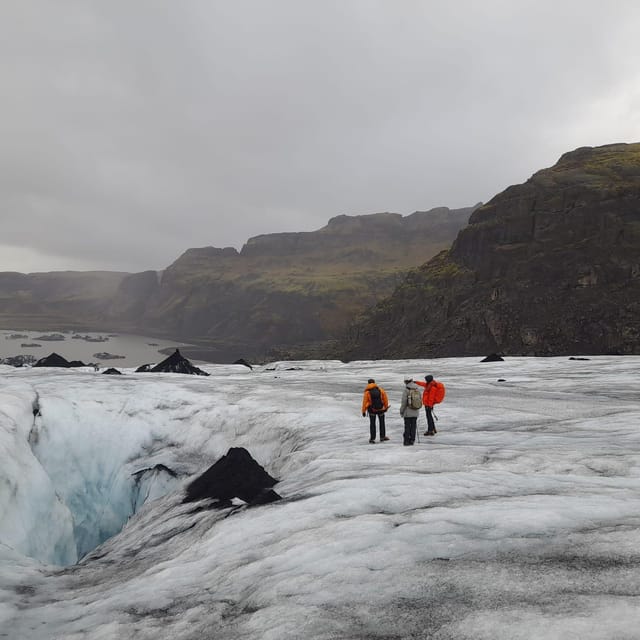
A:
132	130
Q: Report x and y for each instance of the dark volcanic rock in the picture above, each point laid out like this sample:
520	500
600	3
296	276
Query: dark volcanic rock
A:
235	475
18	361
55	360
548	267
112	371
493	357
144	368
176	363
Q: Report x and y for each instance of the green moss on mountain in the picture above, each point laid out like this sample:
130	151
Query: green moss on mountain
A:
551	266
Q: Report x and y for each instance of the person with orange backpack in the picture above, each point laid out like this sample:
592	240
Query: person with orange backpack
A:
433	394
375	403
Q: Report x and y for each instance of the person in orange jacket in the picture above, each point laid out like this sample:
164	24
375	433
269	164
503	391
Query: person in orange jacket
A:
375	403
428	396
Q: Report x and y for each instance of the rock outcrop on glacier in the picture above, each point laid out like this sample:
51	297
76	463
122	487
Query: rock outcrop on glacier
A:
235	475
176	363
56	360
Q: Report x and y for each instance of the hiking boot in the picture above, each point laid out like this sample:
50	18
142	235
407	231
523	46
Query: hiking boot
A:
384	439
429	433
372	441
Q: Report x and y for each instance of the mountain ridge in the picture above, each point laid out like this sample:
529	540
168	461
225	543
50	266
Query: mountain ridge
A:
547	267
236	303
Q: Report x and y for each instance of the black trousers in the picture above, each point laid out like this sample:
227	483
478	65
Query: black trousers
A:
410	427
431	425
372	425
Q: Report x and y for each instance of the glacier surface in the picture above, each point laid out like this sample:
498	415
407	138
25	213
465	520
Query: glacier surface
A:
520	519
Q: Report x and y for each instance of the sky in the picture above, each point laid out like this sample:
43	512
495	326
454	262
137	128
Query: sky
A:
133	131
519	519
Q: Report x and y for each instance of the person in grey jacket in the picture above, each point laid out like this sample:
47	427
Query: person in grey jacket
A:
409	414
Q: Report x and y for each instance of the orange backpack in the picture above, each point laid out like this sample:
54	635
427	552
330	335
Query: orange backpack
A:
439	394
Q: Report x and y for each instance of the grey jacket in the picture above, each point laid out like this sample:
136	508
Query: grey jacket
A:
405	410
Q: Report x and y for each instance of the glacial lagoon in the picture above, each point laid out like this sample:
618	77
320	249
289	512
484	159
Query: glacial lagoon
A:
90	347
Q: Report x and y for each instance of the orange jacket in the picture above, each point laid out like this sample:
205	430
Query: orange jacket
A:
429	393
366	398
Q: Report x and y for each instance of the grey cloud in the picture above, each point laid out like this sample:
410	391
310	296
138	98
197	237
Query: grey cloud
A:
132	131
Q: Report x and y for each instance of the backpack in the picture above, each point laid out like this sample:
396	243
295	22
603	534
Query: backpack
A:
414	399
376	400
439	394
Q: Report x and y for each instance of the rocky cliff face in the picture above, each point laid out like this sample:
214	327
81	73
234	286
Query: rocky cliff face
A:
129	302
288	293
551	266
283	294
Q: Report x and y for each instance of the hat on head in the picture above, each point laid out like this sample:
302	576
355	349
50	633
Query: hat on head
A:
428	378
370	380
408	380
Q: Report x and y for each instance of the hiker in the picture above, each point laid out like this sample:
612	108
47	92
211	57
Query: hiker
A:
432	394
375	402
410	410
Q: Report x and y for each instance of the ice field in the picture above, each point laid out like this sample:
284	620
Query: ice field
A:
519	520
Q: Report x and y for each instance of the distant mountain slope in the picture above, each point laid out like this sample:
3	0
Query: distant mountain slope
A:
282	292
51	300
551	266
292	291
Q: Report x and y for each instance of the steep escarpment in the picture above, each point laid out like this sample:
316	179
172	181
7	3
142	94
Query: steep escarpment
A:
129	302
551	266
285	294
290	293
